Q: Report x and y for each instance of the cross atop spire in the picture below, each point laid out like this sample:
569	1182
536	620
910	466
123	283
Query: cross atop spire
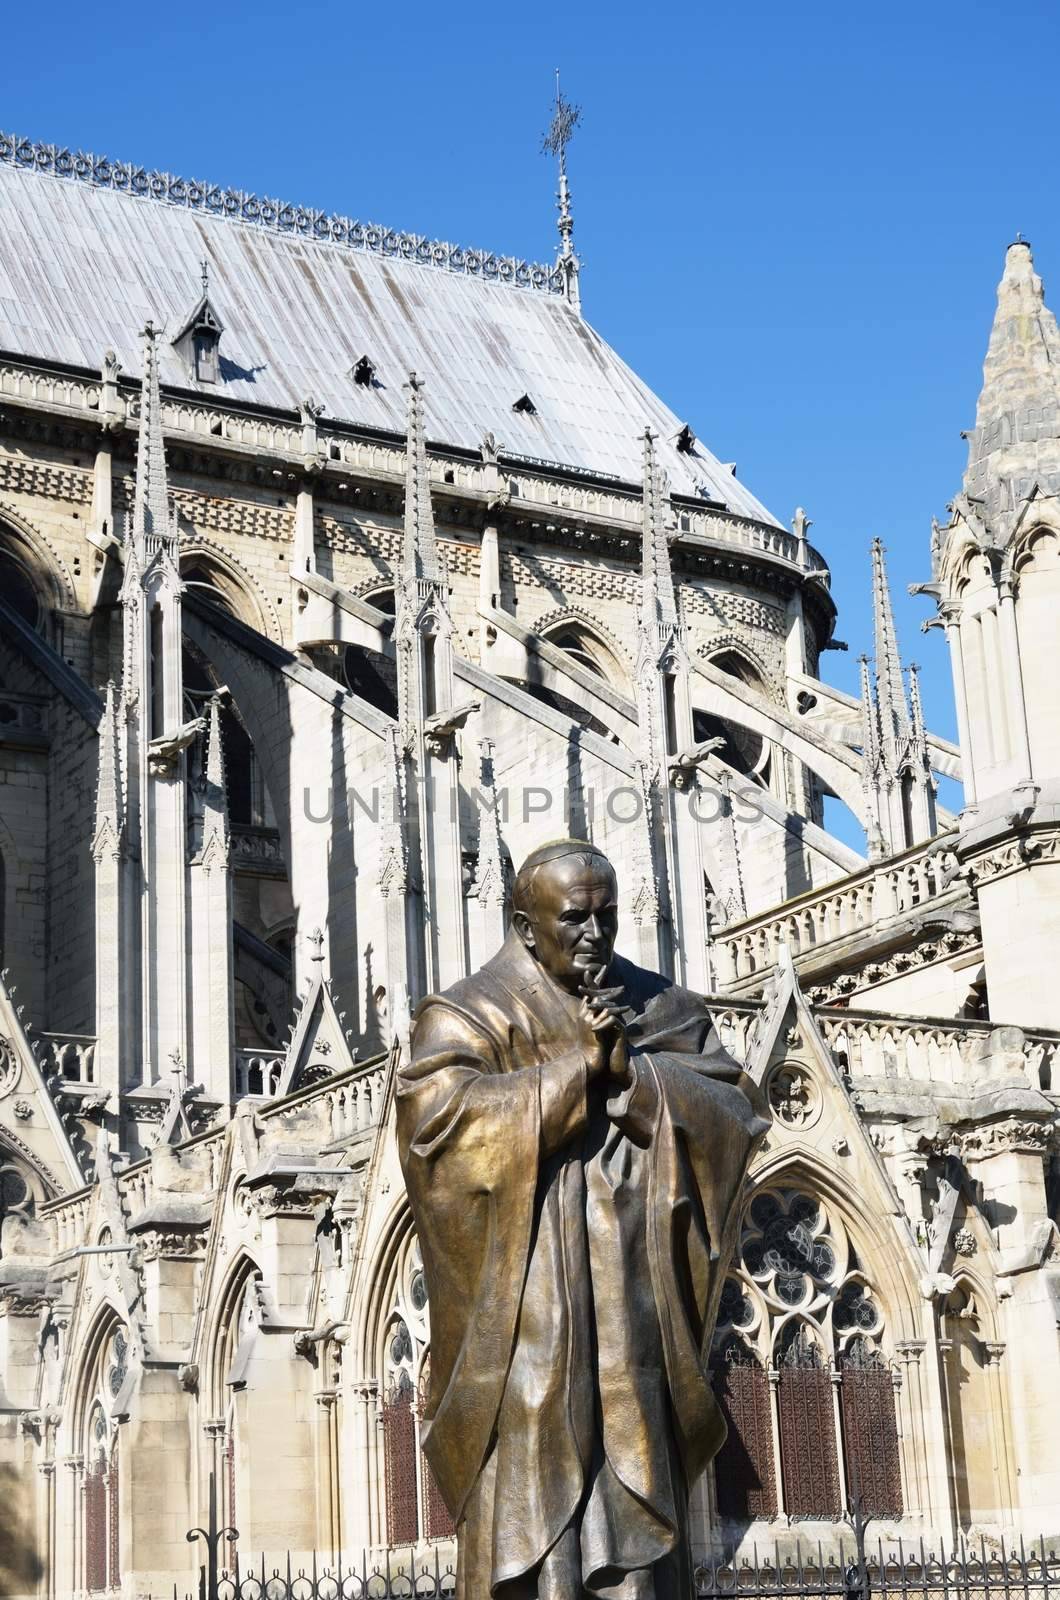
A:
420	563
658	606
152	524
565	118
890	689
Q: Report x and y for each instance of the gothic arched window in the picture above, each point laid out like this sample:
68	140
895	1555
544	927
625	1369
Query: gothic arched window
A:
101	1483
414	1506
19	589
585	647
799	1327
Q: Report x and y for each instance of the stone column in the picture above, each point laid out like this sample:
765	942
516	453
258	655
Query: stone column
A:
913	1427
358	1500
951	618
46	1525
75	1525
328	1537
1010	657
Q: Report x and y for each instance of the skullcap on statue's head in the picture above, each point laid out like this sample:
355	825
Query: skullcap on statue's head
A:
554	850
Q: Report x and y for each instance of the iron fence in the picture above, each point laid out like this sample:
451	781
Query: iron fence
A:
851	1570
893	1571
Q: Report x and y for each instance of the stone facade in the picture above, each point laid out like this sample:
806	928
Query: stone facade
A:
284	695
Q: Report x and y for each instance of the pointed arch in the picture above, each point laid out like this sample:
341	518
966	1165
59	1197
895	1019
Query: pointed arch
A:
229	1330
581	636
803	1301
895	1274
102	1385
211	571
31	550
397	1353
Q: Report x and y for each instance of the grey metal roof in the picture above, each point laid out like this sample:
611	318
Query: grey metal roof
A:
83	266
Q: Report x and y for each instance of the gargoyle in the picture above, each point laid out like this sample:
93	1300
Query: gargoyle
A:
439	729
162	752
684	767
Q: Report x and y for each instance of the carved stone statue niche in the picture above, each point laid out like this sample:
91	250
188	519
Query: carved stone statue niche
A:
575	1141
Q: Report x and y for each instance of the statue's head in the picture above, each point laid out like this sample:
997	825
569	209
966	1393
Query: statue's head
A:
565	909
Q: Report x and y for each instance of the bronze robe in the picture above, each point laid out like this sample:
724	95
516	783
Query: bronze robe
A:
570	1234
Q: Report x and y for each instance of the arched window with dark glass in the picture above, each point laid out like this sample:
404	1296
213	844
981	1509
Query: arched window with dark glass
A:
808	1462
101	1486
799	1346
399	1443
415	1509
19	588
744	1474
870	1430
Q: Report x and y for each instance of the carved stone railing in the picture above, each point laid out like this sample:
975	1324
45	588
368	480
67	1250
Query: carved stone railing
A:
355	1103
186	420
943	1052
871	898
258	1072
69	1056
254	849
736	1023
21	715
67	1218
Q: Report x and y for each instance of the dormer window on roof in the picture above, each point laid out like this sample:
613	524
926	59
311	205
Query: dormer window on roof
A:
199	340
364	373
525	405
686	440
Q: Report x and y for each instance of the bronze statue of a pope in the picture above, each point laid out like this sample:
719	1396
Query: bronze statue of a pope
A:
575	1141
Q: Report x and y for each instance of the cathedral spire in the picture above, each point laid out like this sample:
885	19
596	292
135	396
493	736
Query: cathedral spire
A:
1010	450
916	707
215	795
658	606
870	727
890	688
152	523
420	563
565	118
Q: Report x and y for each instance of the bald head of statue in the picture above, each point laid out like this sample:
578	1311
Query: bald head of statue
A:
565	910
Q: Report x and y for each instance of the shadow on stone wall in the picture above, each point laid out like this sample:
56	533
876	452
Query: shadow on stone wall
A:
20	1564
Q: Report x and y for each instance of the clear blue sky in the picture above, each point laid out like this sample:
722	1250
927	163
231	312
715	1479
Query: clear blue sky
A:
792	217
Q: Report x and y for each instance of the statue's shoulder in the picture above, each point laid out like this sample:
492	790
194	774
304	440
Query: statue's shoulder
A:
642	985
477	996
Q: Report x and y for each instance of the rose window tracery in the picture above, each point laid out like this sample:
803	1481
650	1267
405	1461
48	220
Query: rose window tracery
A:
9	1066
793	1096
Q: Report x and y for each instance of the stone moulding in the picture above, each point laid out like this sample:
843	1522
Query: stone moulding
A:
276	216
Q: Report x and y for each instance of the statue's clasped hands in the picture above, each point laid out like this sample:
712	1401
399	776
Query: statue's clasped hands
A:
603	1027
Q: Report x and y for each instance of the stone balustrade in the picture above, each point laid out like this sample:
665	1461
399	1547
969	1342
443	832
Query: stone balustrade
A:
947	1052
69	1056
257	849
21	716
541	485
871	898
258	1073
67	1220
355	1102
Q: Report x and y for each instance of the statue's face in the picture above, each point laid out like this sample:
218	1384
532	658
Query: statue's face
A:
572	926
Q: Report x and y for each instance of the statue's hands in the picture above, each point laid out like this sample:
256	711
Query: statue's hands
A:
604	1041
